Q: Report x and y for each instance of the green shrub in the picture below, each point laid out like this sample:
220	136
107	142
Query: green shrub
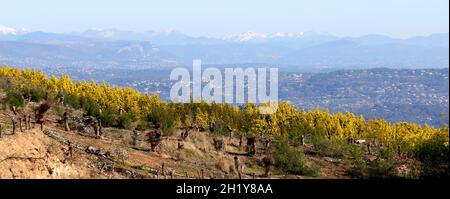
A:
108	118
36	94
91	108
378	169
433	150
434	170
358	169
160	115
382	169
124	121
142	125
72	101
59	110
14	98
220	129
83	102
332	148
294	135
291	161
434	156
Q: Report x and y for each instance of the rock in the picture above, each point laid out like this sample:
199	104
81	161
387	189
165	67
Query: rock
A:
360	142
333	160
91	149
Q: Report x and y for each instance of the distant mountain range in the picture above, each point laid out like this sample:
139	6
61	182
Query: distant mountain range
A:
306	51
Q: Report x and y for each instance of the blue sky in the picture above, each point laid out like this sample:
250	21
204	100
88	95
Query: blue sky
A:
397	18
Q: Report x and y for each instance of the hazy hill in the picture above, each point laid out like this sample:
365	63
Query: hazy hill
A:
368	54
291	51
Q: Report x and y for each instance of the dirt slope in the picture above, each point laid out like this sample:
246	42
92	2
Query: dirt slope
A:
34	155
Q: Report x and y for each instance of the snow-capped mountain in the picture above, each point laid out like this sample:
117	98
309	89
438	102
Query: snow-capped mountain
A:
5	30
256	36
117	34
161	38
119	48
9	33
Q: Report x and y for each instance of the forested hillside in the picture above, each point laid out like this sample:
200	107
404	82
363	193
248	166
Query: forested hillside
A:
422	149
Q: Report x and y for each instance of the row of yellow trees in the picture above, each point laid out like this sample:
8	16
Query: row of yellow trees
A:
288	121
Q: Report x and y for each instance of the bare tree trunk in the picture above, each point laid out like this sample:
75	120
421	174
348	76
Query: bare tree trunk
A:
237	165
20	125
14	126
66	125
35	120
100	126
96	130
25	122
29	122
